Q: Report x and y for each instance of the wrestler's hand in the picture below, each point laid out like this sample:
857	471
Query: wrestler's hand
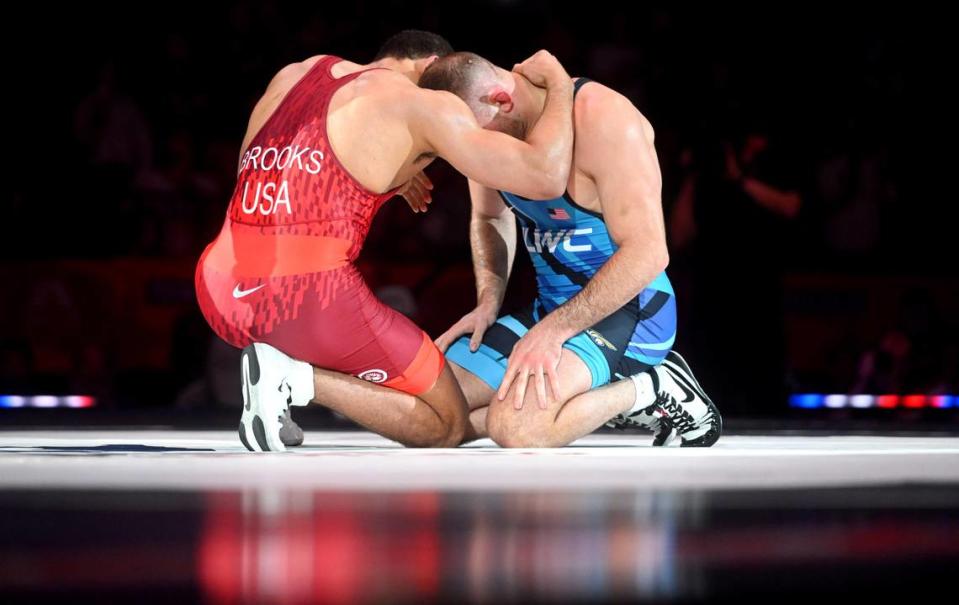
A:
536	354
416	192
542	69
476	322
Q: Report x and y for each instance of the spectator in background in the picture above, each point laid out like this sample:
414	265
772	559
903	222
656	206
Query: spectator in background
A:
112	129
118	150
917	355
735	207
854	187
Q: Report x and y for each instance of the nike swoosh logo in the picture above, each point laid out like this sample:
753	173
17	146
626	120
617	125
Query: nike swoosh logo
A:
689	394
681	374
238	293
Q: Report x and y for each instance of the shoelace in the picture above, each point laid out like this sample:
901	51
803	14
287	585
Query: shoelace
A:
621	421
681	419
647	418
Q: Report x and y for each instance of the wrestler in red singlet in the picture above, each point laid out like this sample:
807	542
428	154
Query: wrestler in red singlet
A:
281	270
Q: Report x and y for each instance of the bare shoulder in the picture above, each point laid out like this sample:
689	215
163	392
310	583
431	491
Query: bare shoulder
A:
294	71
604	112
433	105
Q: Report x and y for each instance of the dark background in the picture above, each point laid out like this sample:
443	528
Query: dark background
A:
123	135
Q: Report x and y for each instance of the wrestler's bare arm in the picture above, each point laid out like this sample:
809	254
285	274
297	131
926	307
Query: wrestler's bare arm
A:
536	168
615	147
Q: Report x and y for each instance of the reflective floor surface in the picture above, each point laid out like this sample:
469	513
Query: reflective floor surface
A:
151	517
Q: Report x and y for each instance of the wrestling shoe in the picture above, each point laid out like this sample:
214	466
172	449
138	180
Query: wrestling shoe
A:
679	408
271	382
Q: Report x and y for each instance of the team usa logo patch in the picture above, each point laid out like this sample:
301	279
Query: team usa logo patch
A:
374	375
559	214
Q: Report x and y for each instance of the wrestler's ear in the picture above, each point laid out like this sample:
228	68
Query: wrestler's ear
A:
420	65
502	99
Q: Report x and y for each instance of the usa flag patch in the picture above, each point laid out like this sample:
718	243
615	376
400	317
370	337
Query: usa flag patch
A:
558	213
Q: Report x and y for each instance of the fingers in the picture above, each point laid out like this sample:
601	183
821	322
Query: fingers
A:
443	341
507	381
446	338
424	180
520	393
477	338
418	197
417	192
553	379
414	204
541	399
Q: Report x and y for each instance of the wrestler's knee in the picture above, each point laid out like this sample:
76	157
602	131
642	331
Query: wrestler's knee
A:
446	400
511	428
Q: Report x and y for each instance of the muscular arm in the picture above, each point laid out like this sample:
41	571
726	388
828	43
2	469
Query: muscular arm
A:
493	241
536	168
616	148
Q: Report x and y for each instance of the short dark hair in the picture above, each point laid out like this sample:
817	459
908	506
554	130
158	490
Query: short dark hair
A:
454	73
414	44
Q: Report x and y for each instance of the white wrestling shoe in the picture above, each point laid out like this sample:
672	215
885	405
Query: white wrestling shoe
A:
680	409
272	382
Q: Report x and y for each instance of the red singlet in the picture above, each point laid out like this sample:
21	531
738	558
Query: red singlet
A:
281	270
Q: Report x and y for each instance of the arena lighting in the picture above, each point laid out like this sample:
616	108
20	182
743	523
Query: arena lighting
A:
887	401
839	400
807	400
944	401
836	401
12	401
47	401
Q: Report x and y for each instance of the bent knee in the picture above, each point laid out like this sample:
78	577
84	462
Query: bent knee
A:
505	432
449	433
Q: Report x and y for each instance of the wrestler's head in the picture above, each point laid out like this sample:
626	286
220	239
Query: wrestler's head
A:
419	48
498	98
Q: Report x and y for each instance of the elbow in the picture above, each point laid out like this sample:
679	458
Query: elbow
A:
652	258
657	256
549	177
662	259
553	182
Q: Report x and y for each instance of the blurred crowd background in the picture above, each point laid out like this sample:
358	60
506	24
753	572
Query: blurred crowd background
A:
124	137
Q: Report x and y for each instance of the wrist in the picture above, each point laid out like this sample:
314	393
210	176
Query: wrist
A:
488	302
554	331
560	83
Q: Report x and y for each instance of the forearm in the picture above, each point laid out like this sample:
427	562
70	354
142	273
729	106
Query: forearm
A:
552	135
493	242
786	203
622	278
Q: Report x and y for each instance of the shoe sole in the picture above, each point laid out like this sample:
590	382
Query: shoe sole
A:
255	426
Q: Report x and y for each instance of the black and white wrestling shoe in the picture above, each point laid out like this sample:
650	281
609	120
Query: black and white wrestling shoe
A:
671	403
272	382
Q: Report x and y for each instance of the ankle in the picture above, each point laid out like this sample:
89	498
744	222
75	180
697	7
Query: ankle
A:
302	383
645	391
